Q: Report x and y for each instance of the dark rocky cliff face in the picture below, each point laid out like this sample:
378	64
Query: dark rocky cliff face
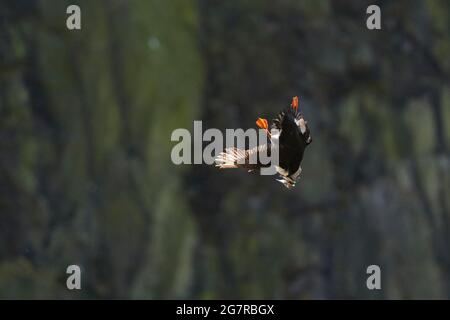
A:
85	171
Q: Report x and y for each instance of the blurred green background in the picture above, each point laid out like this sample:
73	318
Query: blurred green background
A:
85	170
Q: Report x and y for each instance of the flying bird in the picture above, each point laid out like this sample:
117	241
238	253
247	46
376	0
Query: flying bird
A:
289	134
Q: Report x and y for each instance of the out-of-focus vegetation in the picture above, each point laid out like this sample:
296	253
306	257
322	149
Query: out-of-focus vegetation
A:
85	170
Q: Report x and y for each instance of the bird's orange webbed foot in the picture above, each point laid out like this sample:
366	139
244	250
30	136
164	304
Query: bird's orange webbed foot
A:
263	124
294	103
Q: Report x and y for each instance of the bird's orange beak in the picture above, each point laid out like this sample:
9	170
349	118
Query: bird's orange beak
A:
263	124
294	103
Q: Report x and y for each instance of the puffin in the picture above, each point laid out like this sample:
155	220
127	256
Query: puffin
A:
289	134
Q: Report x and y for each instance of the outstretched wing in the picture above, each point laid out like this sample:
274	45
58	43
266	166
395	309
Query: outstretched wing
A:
239	158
